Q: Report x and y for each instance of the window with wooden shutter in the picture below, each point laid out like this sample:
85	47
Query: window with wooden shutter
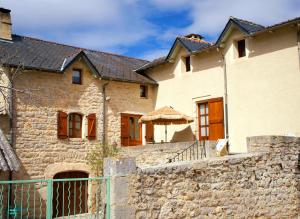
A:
91	126
62	125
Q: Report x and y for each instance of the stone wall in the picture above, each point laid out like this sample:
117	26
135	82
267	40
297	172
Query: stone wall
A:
40	151
155	154
263	183
125	98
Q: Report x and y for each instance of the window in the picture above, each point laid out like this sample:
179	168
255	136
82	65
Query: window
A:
70	125
188	64
75	125
241	48
76	76
144	91
203	121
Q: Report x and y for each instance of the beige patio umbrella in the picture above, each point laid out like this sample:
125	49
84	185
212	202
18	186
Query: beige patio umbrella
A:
166	116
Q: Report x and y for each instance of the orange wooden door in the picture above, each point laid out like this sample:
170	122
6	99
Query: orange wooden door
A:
149	132
131	130
124	130
216	119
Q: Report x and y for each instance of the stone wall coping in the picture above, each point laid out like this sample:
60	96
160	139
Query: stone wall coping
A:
200	164
273	139
158	146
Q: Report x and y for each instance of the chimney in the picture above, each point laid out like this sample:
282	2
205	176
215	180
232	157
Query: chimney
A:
5	24
194	36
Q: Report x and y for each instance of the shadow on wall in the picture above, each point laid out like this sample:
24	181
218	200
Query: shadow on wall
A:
184	135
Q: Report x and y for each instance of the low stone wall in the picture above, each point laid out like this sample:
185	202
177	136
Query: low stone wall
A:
263	183
155	154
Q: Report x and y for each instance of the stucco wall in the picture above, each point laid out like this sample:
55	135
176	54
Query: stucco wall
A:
263	87
260	184
182	90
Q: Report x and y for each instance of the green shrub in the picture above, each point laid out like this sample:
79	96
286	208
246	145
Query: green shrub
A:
96	156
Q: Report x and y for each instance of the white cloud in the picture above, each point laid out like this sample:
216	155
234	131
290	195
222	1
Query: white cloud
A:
154	54
98	24
210	16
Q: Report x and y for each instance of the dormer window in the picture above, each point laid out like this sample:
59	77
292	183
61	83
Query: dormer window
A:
76	76
241	47
187	63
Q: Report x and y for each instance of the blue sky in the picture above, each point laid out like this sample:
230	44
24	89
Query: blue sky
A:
138	28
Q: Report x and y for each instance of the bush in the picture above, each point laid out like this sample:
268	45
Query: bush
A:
96	157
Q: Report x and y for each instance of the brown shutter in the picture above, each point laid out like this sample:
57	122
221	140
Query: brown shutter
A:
124	130
62	125
91	126
149	132
216	119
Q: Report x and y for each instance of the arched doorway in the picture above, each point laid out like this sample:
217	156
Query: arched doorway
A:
70	197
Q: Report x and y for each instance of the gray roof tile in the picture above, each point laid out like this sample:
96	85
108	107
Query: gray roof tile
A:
43	55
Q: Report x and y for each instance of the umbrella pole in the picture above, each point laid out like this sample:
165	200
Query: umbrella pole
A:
166	133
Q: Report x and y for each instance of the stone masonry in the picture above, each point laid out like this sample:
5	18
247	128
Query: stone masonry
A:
261	184
41	153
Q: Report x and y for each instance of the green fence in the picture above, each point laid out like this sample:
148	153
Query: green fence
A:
56	198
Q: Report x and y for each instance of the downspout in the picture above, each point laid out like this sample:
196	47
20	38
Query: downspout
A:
103	112
12	135
298	41
225	93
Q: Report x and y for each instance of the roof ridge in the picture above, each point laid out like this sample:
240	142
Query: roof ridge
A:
80	48
246	21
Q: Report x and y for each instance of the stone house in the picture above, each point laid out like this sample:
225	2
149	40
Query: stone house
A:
66	100
245	84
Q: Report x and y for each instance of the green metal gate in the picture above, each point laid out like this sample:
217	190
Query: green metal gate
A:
55	198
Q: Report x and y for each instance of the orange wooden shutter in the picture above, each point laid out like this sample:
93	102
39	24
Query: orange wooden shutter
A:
149	132
124	130
62	125
91	126
216	119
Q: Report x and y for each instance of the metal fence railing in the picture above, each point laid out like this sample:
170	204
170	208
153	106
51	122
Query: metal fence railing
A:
195	151
55	198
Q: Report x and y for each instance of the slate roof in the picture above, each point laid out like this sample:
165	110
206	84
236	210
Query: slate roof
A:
248	26
154	63
48	56
8	158
192	45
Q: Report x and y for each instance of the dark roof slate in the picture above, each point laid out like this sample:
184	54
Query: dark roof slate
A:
193	44
8	158
154	63
248	26
48	56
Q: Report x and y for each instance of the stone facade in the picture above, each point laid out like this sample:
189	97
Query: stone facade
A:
260	184
125	98
36	141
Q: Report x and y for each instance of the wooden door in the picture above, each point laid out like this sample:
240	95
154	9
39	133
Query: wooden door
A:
216	119
131	130
149	132
70	198
125	130
211	119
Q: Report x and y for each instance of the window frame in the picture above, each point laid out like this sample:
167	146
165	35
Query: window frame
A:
146	91
80	76
71	133
241	52
187	61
